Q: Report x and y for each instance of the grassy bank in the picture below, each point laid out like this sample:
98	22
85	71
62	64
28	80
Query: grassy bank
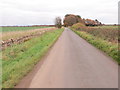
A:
18	60
108	47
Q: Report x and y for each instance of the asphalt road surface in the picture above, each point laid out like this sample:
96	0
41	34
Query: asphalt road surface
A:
74	63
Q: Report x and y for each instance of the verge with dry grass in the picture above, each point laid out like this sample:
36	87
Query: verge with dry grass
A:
105	39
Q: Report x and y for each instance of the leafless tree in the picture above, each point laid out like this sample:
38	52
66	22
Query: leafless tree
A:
58	22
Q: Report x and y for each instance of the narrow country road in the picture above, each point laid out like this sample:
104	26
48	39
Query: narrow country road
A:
74	63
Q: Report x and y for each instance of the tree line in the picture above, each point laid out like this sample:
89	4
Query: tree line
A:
71	19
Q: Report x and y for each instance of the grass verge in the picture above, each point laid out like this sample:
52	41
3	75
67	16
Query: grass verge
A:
18	60
108	47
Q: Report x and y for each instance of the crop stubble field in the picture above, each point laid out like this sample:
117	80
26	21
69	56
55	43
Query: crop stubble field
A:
15	32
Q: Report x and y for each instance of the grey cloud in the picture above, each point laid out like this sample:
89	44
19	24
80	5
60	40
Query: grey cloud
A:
24	12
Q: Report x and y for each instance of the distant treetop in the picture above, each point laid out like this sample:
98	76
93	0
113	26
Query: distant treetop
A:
71	19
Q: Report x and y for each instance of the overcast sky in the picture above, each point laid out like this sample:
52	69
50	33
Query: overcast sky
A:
30	12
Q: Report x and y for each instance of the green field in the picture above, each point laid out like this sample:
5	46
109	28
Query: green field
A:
18	60
9	29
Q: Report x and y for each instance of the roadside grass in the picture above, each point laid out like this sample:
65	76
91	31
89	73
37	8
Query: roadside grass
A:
109	48
18	60
17	34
